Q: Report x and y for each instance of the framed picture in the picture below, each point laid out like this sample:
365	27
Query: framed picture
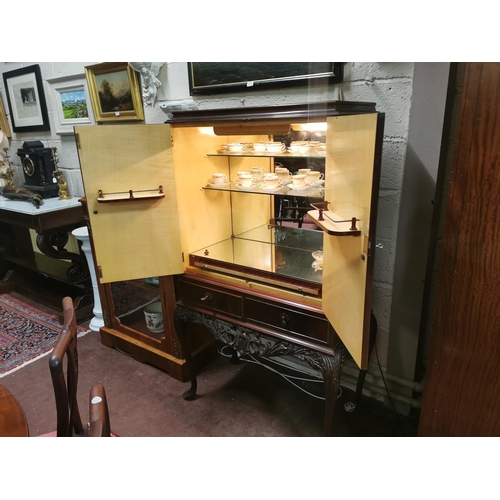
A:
26	99
70	102
4	123
218	77
115	92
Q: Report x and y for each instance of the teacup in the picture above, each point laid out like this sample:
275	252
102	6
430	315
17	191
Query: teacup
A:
299	180
245	179
275	147
259	146
314	176
295	147
271	180
239	174
257	173
283	173
236	147
308	148
219	178
303	171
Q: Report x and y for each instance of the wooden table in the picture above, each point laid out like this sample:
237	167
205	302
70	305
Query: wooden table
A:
67	271
13	421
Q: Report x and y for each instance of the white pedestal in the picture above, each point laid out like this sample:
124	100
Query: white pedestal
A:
82	234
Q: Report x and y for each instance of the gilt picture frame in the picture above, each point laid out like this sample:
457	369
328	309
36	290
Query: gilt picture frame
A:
26	99
115	92
70	103
221	77
4	122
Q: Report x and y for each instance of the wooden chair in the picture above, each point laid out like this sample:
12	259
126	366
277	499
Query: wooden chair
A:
63	365
98	413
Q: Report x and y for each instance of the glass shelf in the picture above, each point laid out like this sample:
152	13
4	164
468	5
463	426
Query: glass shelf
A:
285	154
308	192
271	254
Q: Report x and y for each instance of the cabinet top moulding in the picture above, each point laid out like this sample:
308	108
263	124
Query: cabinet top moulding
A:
283	114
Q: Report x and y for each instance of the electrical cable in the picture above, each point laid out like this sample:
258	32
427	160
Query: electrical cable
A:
383	378
286	377
406	418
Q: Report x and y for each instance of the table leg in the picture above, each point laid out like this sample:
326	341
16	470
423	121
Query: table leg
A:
182	317
52	244
246	341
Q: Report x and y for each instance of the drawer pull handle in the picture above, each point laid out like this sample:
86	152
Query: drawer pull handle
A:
284	319
207	297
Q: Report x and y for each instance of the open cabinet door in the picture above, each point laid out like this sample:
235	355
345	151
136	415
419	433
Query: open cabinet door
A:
135	235
352	183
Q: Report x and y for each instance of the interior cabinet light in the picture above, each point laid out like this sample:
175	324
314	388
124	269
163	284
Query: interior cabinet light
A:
206	130
310	127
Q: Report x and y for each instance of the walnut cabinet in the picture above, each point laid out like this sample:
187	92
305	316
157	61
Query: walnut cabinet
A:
238	256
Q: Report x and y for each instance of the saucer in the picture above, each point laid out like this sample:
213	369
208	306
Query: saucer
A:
317	184
285	183
245	187
299	188
220	184
268	188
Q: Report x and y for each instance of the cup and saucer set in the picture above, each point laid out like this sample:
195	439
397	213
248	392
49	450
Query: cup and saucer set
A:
304	179
218	180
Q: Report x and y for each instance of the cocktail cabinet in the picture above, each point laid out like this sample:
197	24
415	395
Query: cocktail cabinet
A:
272	270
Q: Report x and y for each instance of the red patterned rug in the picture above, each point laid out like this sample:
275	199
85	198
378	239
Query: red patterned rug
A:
26	334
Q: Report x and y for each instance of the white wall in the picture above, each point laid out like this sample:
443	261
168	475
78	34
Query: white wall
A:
389	85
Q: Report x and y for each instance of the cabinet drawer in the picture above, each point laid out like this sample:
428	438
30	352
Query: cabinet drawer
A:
210	298
293	321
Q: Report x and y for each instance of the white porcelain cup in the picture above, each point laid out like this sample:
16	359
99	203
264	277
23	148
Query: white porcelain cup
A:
282	171
275	147
308	149
219	178
245	179
314	176
295	147
236	147
242	172
259	146
271	180
299	180
257	173
303	171
154	317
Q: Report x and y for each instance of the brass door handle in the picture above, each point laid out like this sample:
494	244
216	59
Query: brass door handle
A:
207	297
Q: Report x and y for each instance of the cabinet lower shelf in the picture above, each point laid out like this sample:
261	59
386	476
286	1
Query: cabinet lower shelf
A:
275	255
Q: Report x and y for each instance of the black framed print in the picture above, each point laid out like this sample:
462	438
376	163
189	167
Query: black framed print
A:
26	99
219	77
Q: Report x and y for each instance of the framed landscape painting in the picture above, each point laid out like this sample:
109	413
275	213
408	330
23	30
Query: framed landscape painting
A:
26	99
218	77
115	92
71	104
